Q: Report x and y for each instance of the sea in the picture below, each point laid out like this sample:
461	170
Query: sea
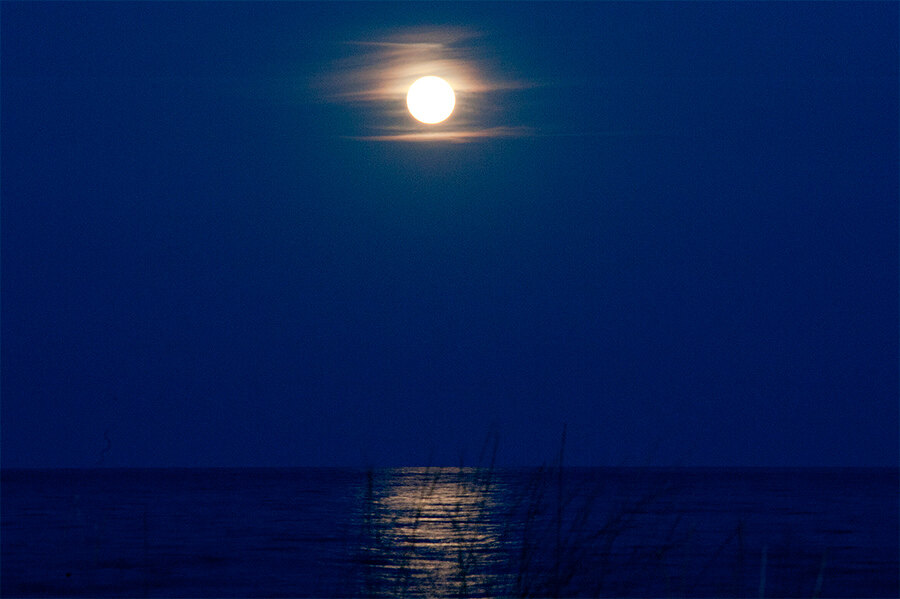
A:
451	532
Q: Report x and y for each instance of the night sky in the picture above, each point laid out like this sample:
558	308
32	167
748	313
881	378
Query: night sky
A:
671	227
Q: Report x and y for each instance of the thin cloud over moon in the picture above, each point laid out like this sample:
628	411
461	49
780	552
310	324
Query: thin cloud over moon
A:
374	76
453	135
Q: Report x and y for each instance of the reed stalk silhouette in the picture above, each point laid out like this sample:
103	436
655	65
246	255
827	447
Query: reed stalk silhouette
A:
544	539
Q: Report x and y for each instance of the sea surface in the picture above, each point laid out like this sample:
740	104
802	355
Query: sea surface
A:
450	532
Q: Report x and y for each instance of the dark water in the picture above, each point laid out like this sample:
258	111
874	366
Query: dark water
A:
450	532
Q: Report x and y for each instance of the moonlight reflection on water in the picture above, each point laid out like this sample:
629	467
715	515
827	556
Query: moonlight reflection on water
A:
434	532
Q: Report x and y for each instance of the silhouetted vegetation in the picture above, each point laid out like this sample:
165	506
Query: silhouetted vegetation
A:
464	532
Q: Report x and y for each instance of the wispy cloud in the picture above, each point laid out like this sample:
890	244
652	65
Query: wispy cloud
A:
374	75
458	135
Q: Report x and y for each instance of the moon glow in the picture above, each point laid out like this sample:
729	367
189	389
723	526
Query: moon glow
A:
430	100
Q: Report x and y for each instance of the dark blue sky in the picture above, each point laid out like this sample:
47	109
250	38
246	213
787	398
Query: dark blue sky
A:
673	226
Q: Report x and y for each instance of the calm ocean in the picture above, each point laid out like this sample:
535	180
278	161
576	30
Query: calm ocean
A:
620	532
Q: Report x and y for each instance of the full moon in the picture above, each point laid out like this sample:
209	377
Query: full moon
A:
430	100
